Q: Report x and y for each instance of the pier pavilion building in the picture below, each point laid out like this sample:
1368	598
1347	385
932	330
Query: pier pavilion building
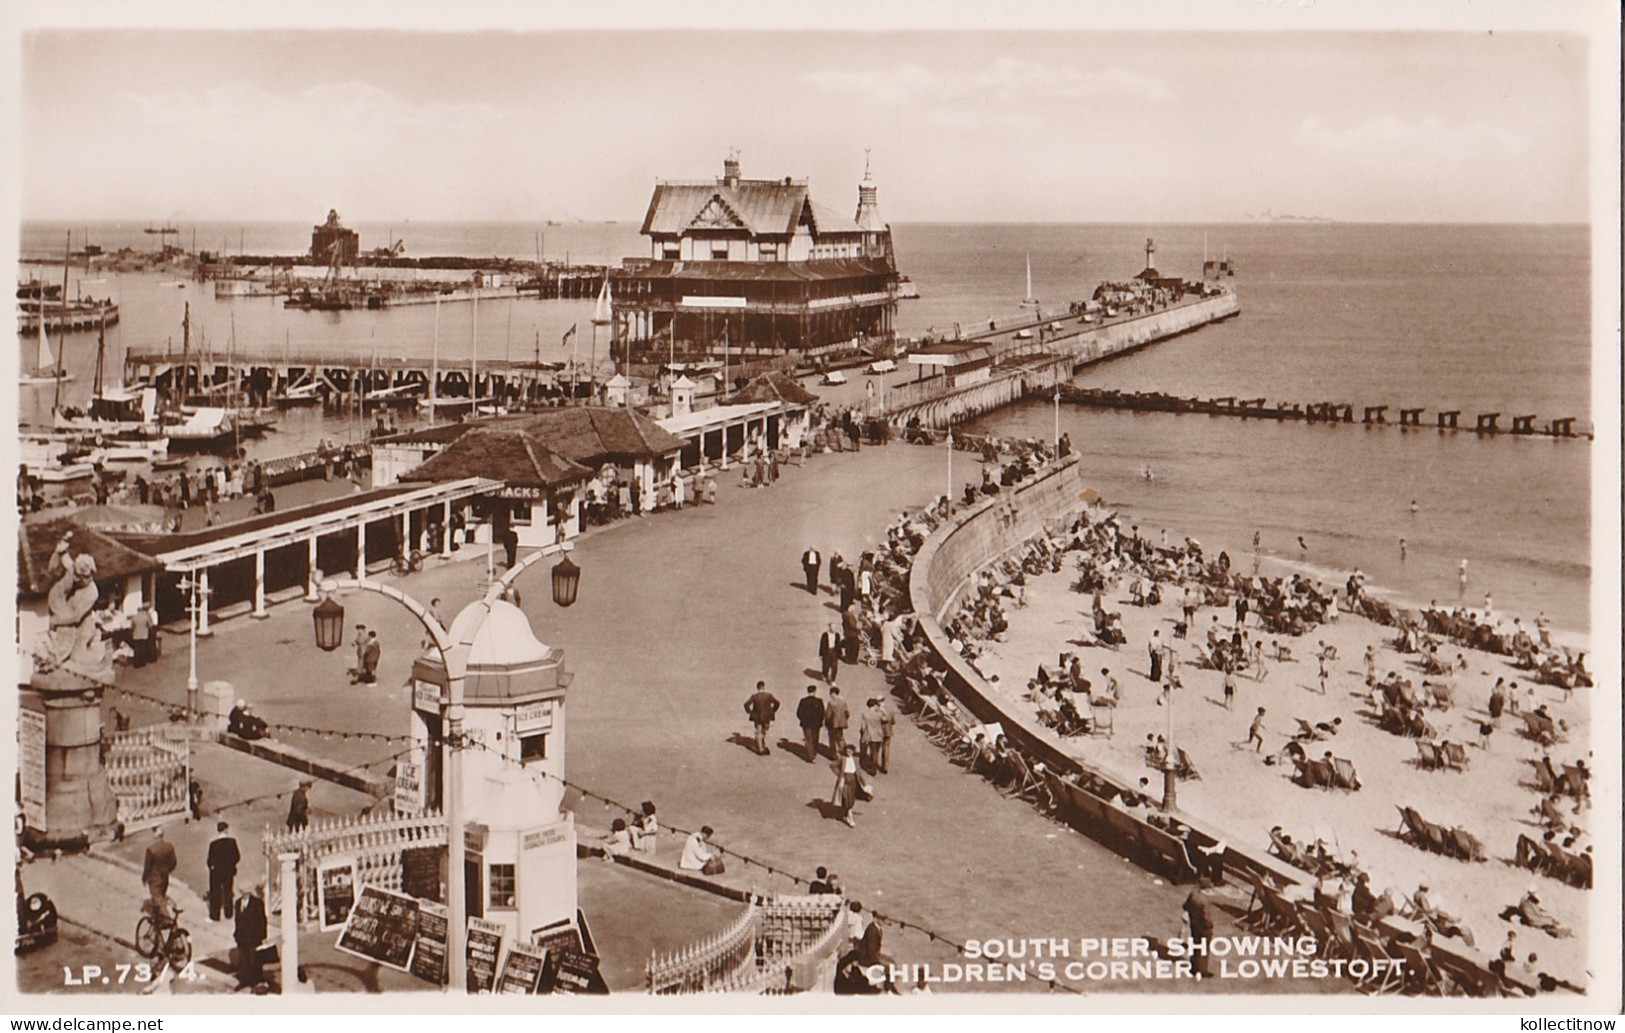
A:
757	266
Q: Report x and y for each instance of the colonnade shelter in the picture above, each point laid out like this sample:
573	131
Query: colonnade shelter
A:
772	411
246	565
614	445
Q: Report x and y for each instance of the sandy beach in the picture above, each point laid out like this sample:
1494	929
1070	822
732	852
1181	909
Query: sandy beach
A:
1238	792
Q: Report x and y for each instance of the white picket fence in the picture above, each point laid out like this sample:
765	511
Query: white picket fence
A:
149	770
779	945
374	844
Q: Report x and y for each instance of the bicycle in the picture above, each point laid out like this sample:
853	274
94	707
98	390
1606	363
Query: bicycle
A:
162	938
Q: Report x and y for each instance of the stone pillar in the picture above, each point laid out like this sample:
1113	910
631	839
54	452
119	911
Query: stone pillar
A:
289	950
203	629
78	802
259	586
445	525
361	551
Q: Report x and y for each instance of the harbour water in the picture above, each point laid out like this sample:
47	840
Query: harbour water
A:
1477	318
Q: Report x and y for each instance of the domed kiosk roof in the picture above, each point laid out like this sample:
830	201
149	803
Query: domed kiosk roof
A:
507	663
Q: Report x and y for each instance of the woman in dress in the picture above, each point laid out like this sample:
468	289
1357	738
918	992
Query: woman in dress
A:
846	785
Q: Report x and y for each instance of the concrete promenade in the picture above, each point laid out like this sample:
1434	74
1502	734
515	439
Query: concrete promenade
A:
679	614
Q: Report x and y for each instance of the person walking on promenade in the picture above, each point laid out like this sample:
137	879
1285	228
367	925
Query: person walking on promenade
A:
141	637
837	716
1198	910
360	653
762	707
810	564
158	864
845	794
249	933
223	859
870	733
829	653
1255	731
371	653
888	725
298	809
810	715
851	635
1154	649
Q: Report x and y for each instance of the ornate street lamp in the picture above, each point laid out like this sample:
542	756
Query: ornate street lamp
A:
566	579
328	616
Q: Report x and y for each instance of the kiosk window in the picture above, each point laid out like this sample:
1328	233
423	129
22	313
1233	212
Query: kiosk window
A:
502	886
532	747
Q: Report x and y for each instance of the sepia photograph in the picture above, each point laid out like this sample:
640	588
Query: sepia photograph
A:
883	507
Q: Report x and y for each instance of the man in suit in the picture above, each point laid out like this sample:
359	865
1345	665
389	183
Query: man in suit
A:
157	866
871	730
298	809
829	653
370	655
837	716
811	561
249	933
360	654
810	715
223	859
762	707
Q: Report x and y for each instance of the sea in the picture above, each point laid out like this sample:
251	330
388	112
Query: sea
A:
1480	318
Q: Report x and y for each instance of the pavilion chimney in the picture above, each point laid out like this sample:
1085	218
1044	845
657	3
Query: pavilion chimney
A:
730	169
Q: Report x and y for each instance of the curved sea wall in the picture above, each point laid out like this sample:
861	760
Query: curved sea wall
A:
1116	338
984	534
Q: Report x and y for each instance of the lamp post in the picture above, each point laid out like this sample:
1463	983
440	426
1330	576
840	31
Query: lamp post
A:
950	467
329	628
1057	418
198	597
1170	777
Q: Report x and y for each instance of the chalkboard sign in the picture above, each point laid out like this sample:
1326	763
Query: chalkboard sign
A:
420	872
429	955
383	927
555	937
335	889
522	969
484	950
572	972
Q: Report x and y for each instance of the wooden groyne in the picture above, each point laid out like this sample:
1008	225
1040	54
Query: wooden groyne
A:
1444	420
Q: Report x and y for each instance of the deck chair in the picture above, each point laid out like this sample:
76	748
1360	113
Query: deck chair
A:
1283	915
1342	929
1436	839
1420	975
1373	949
1322	774
1026	783
1185	768
1103	720
1428	755
1306	730
1443	695
1347	777
1410	825
1256	916
1574	782
1543	777
1454	755
1467	845
1315	919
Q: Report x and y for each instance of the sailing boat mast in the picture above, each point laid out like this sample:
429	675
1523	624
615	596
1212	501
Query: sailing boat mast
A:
474	356
186	354
56	401
101	356
434	366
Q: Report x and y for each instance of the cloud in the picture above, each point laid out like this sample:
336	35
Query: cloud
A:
356	106
1008	79
1425	141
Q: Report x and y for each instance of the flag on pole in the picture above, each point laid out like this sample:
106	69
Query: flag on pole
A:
568	334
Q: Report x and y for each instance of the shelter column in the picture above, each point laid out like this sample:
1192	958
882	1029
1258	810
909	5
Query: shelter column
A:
445	526
259	586
203	630
361	551
310	569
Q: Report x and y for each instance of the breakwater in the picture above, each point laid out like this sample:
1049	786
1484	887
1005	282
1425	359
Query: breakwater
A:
1037	369
1444	420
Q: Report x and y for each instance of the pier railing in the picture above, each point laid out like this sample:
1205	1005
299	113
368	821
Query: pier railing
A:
149	773
375	844
782	944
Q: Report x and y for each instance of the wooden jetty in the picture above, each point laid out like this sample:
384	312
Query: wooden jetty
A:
1335	412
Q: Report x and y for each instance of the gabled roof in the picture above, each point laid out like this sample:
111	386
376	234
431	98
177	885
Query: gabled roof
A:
762	206
772	387
595	434
438	434
510	454
832	221
37	540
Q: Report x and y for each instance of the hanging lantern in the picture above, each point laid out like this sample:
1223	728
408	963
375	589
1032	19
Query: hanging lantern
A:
328	616
566	579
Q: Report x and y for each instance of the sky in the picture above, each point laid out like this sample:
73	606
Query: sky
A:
1039	125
